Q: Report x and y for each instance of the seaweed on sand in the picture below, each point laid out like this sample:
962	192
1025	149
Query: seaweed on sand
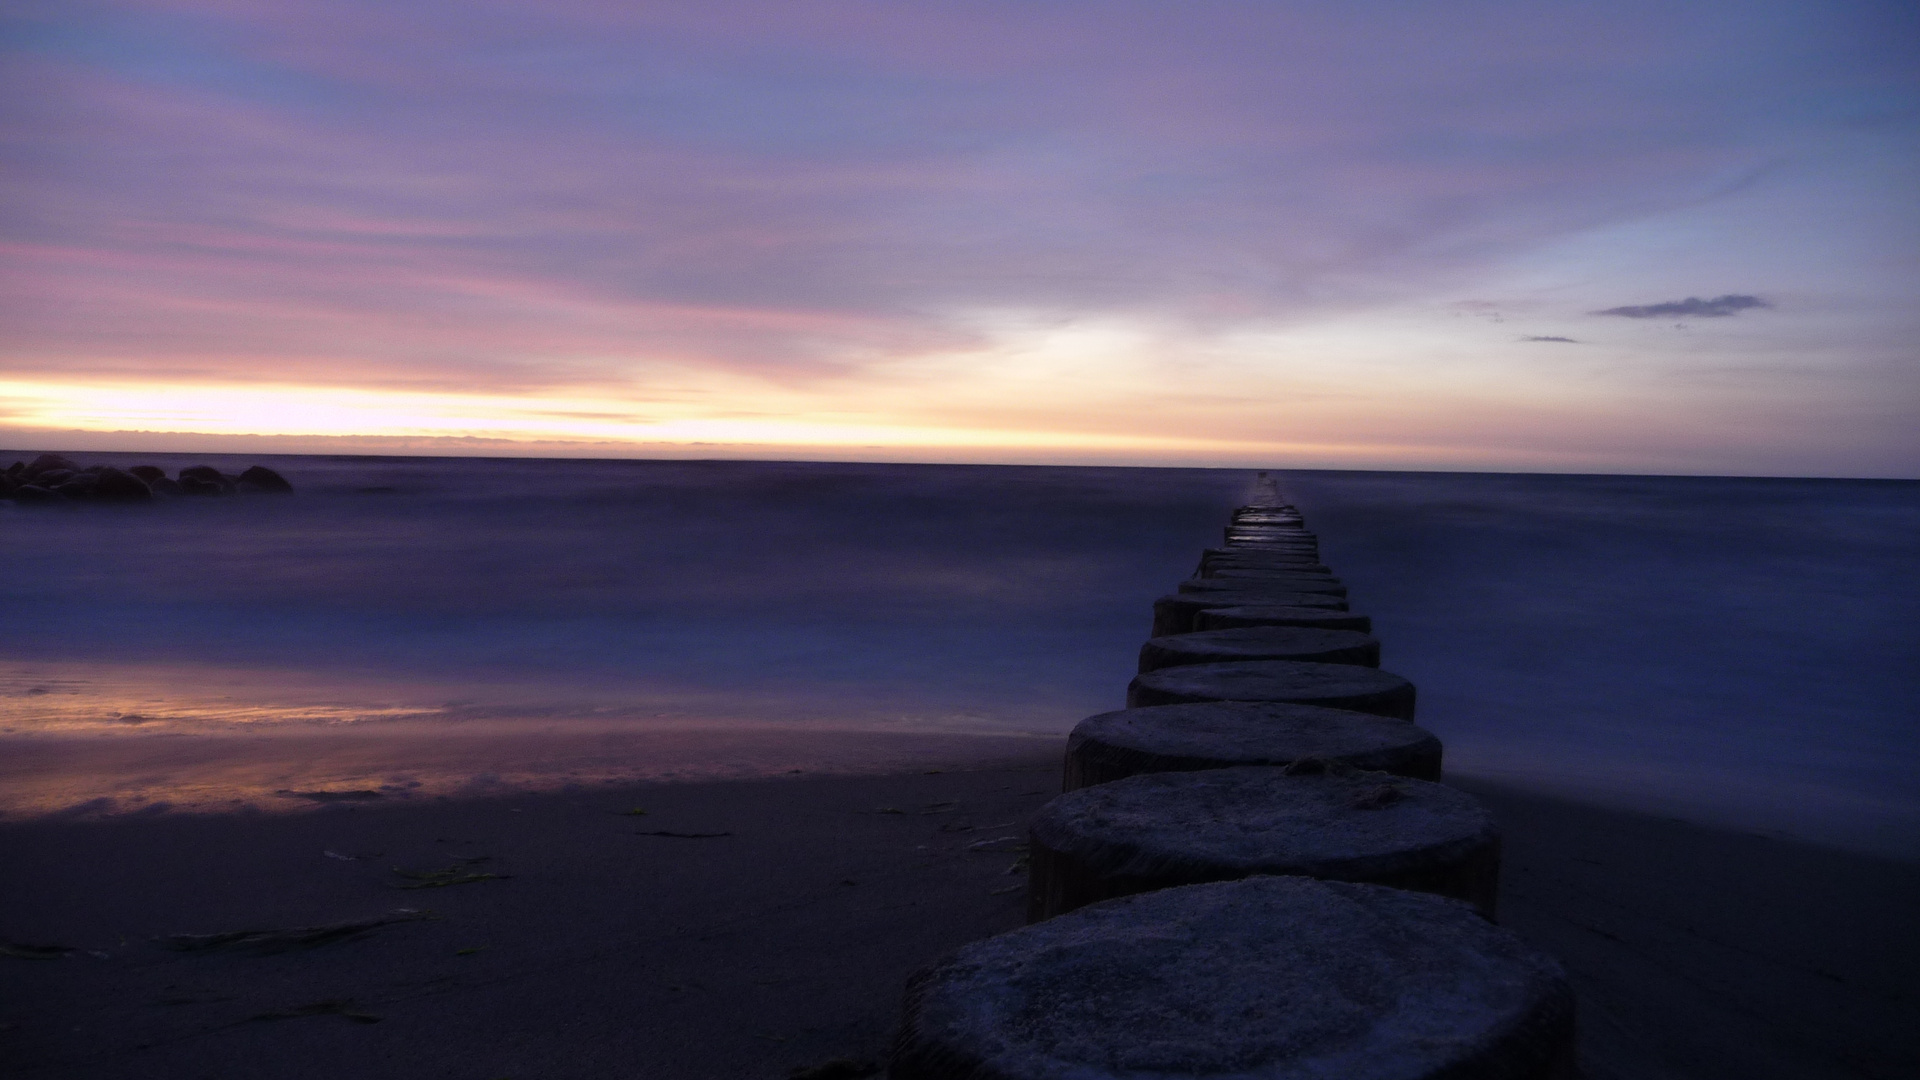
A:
462	872
283	940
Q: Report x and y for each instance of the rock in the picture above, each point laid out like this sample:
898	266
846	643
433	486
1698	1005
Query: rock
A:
1257	560
112	485
1175	614
264	479
1275	515
1243	554
1261	643
1269	978
1162	830
1214	555
1271	520
1335	686
1286	563
1310	567
1276	581
1223	734
1242	544
204	480
1274	532
1256	572
49	463
54	478
1279	615
1296	536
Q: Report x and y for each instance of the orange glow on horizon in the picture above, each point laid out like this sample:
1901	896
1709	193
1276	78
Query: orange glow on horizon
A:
1412	389
337	411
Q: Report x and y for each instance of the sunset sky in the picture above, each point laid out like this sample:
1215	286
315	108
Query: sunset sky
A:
1619	237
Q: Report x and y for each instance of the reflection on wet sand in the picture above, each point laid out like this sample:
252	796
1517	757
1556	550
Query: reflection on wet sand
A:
102	738
296	766
42	699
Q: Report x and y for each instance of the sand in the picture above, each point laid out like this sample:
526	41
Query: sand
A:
1699	952
605	951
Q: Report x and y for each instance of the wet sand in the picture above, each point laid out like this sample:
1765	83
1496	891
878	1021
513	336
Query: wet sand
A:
1703	952
775	929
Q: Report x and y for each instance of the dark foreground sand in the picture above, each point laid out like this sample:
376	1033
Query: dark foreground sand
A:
603	951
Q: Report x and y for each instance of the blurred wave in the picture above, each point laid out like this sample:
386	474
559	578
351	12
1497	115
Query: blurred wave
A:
1742	649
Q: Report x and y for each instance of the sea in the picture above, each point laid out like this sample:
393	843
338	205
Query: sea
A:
1740	652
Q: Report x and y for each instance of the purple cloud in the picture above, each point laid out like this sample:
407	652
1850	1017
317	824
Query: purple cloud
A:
1691	307
438	194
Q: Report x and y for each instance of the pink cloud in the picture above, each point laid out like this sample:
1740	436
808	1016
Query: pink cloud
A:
519	195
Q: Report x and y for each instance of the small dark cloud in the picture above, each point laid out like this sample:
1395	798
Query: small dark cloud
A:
1539	337
1692	306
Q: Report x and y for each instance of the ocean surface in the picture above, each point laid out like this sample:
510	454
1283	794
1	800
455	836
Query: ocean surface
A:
1734	651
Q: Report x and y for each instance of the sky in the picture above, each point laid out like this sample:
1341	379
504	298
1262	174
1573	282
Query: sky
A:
1542	236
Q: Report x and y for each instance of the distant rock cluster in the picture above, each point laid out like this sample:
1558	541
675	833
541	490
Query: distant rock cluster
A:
51	478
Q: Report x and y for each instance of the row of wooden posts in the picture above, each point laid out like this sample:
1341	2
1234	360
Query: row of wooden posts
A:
1253	871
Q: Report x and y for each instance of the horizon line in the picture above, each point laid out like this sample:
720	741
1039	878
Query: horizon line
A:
773	455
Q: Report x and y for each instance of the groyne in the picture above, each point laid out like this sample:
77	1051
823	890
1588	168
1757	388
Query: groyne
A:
1253	870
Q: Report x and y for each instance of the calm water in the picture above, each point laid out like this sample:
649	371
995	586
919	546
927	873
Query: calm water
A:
1734	650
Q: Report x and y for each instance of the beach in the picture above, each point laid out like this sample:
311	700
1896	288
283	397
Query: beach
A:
952	541
775	929
528	769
